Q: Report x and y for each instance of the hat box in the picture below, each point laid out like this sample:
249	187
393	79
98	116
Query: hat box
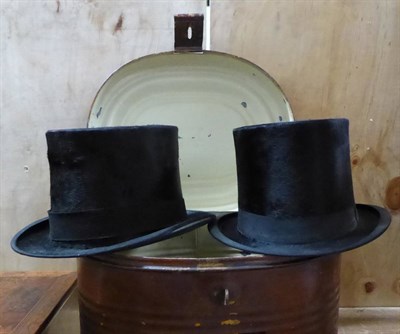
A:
192	283
224	292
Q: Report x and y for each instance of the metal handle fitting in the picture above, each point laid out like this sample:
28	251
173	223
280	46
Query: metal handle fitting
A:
189	32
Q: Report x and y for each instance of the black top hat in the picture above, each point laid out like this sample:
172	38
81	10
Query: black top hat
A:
111	189
296	193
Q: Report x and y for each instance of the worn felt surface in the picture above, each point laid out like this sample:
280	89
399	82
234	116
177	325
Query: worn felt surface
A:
296	193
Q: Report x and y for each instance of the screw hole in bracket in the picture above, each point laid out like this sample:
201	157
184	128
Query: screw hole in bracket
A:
189	32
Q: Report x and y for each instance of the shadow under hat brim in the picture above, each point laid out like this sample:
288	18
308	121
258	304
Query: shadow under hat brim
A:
34	239
372	222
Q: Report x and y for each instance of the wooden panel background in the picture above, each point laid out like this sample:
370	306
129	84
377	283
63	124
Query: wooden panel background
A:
332	59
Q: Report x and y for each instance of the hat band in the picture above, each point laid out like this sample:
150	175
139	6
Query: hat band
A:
297	230
135	219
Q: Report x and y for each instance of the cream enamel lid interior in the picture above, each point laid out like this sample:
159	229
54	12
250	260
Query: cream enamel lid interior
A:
206	95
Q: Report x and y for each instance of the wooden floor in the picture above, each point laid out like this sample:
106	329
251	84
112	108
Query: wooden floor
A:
29	300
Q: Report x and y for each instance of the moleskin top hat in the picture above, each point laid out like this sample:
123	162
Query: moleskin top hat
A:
111	189
295	192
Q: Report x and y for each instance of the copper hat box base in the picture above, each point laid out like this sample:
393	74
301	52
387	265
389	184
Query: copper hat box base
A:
225	292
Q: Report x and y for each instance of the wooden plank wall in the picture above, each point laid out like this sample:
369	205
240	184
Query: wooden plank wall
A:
332	59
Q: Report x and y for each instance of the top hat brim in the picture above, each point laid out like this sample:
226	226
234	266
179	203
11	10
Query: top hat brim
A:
372	222
34	240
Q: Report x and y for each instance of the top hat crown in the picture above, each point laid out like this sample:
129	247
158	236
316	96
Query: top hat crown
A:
296	193
111	189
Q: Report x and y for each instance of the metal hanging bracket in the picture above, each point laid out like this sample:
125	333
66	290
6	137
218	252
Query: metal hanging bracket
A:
189	32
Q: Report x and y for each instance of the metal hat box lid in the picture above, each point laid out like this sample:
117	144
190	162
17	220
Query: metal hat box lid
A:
206	94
